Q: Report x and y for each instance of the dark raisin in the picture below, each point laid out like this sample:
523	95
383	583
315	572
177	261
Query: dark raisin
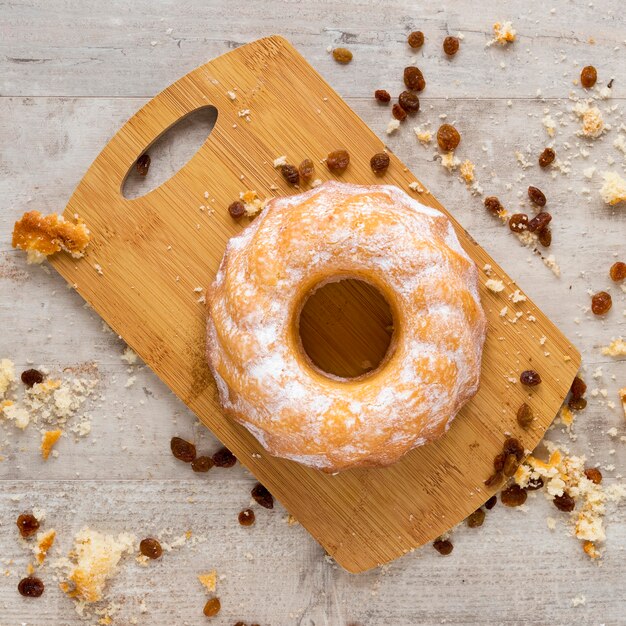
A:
539	222
530	378
536	196
451	46
31	377
618	271
30	587
545	237
246	517
151	548
398	112
413	78
224	458
342	55
577	404
382	95
578	388
212	607
547	157
564	502
525	415
588	76
183	450
416	39
491	502
28	524
518	222
514	447
143	164
534	484
498	462
262	496
236	209
443	546
492	204
494	479
337	161
594	475
202	464
513	496
510	465
476	519
306	170
290	173
601	303
379	163
448	137
409	102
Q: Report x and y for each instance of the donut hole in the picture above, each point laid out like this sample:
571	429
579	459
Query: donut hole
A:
345	327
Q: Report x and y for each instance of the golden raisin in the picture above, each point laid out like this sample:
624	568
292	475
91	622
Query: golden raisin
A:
183	450
564	502
31	377
443	546
30	587
413	78
530	378
416	39
236	209
212	607
510	465
546	157
578	388
448	137
143	164
594	475
491	502
306	170
342	55
577	404
498	462
539	222
618	271
476	519
525	415
588	76
494	479
382	95
151	548
27	524
224	458
337	161
379	163
246	517
451	46
536	196
545	237
262	496
601	303
514	447
492	204
202	464
518	222
513	496
290	173
409	102
398	112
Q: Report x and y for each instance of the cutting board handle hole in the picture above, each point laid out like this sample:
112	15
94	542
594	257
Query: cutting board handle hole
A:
170	152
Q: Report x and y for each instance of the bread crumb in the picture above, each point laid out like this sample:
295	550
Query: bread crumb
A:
578	600
467	171
503	34
209	580
550	263
517	296
251	202
415	186
45	540
232	95
592	122
424	135
549	124
613	190
49	438
617	347
449	161
7	375
280	161
392	126
17	414
494	285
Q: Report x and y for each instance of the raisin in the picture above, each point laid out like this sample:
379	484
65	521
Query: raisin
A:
564	502
530	378
443	546
416	39
492	204
143	164
577	404
262	496
518	222
306	170
202	464
534	484
337	161
151	548
476	519
224	458
578	388
510	465
448	137
246	517
618	271
594	475
398	112
525	415
30	587
342	55
236	209
547	157
491	502
28	524
382	95
498	462
290	173
513	496
379	163
539	222
588	76
183	450
601	303
31	377
536	196
514	447
545	237
413	78
494	479
451	46
212	607
409	102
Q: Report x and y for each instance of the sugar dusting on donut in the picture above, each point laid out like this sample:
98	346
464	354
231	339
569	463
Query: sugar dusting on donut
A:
376	233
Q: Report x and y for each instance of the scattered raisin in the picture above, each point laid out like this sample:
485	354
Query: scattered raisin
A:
306	170
416	39
379	163
577	404
28	524
246	517
382	95
413	78
476	519
183	450
30	587
409	102
618	271
342	55
491	502
151	548
290	173
513	446
494	479
498	462
545	237
594	475
525	415
534	484
262	496
530	378
224	458
448	137
212	607
510	465
539	222
202	464
237	209
588	76
601	303
547	157
492	204
564	502
337	161
143	164
398	112
536	196
578	388
451	46
31	377
443	546
518	222
513	496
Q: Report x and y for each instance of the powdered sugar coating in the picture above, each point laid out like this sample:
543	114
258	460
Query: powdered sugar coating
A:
379	234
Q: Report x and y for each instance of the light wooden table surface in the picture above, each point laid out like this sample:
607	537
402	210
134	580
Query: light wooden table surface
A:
71	72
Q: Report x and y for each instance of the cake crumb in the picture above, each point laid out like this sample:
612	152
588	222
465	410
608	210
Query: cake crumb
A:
617	347
49	438
503	34
613	190
494	285
467	171
45	540
392	126
7	375
209	580
424	135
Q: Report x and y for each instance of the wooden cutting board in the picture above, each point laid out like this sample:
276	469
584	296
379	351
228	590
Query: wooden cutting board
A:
154	250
